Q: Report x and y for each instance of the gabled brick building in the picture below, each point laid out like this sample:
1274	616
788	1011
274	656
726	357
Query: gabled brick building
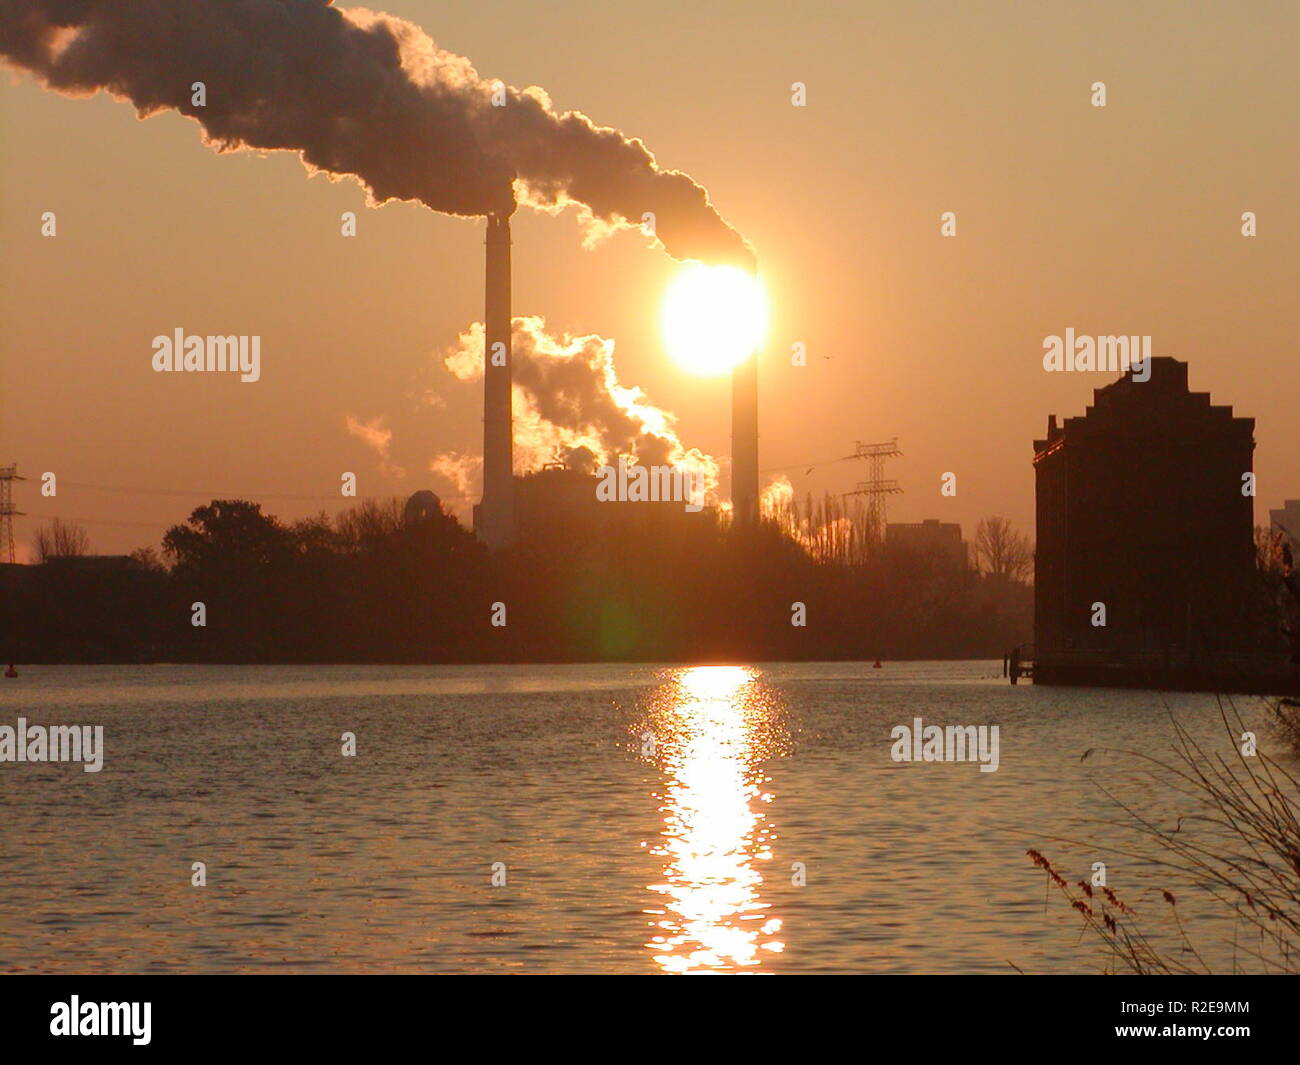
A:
1140	507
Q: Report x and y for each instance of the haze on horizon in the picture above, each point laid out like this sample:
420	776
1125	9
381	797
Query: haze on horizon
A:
1116	220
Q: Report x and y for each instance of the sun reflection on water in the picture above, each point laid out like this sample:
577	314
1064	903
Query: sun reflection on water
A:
712	726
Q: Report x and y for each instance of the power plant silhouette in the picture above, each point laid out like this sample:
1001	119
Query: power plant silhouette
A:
495	517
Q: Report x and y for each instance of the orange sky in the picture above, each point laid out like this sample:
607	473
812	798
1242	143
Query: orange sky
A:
1123	219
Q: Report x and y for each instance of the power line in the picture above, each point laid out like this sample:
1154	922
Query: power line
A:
101	521
186	493
127	523
808	465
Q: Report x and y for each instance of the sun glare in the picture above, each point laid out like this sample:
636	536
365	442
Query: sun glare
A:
714	317
714	727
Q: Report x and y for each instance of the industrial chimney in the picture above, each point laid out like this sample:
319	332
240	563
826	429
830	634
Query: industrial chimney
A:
494	516
744	441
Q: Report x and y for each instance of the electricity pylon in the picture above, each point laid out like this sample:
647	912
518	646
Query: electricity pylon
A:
877	486
8	474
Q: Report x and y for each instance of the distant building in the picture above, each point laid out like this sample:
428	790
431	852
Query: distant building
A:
931	536
421	506
554	497
1287	522
560	499
1142	523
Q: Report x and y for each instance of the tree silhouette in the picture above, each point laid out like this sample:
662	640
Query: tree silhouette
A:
60	539
1000	551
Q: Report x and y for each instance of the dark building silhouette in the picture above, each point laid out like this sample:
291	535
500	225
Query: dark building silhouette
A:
556	498
1140	508
1286	521
560	498
931	535
421	506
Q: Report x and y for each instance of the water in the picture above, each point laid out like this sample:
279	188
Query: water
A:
648	819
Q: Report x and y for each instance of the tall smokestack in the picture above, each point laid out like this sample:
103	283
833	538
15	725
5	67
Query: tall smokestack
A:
494	517
744	441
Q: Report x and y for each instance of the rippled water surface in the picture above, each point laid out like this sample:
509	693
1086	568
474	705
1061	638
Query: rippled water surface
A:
644	820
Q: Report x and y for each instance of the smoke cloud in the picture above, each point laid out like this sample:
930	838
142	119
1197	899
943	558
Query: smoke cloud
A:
363	95
570	407
379	438
464	471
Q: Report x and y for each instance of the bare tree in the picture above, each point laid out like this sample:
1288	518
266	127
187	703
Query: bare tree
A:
1268	550
61	539
369	522
1002	552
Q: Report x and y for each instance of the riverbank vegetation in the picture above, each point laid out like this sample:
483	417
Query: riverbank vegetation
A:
1235	845
394	581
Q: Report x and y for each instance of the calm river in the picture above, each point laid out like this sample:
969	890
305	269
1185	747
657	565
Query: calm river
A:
602	818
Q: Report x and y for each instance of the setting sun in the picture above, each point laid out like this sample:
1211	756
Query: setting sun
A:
713	318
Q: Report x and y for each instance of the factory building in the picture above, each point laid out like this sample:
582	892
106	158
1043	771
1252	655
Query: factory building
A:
563	499
1145	566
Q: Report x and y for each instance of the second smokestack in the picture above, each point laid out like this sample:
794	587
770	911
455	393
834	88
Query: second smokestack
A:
744	441
494	516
